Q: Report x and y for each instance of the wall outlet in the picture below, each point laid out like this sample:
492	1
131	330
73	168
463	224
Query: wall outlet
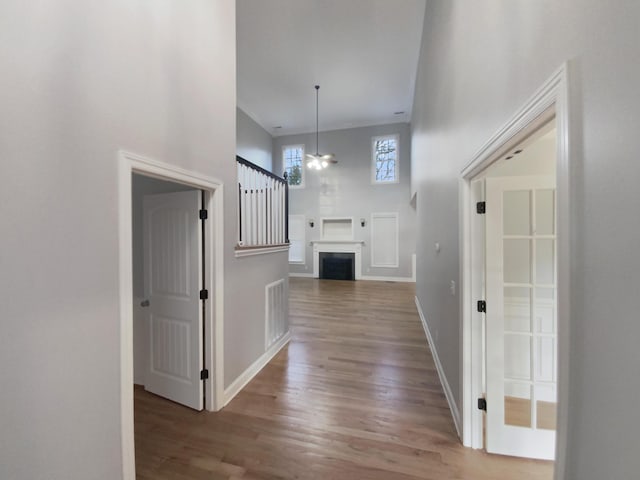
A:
452	287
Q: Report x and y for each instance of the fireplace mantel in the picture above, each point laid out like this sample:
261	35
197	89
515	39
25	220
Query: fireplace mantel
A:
337	246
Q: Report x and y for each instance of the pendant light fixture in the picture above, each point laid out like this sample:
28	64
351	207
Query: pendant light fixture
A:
319	161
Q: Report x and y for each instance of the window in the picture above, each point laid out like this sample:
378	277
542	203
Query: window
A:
385	159
292	157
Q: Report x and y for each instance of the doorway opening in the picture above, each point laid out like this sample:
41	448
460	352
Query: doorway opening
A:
168	276
517	197
529	385
191	371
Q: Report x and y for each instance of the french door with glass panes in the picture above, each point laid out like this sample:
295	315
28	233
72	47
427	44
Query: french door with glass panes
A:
521	330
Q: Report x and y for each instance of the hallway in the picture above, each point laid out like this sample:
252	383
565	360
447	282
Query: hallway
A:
355	395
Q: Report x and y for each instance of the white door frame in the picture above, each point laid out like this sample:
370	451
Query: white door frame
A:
551	100
129	164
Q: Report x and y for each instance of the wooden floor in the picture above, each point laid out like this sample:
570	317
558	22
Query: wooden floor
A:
354	396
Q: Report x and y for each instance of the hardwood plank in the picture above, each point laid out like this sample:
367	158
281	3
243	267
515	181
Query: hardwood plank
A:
355	395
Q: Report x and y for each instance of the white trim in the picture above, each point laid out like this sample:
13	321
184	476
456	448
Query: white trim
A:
245	377
373	159
378	278
128	164
453	408
369	278
304	239
397	252
551	99
323	220
248	252
354	247
335	242
303	164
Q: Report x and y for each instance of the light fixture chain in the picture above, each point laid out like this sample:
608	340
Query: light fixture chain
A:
317	121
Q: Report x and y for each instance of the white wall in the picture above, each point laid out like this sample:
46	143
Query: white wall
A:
346	190
480	62
80	80
253	142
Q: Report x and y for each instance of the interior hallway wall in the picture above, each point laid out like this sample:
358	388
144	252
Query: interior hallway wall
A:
253	142
480	62
81	80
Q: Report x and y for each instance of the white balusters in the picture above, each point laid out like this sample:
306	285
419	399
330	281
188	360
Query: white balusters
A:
261	207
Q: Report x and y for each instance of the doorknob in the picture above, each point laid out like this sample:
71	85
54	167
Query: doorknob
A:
144	303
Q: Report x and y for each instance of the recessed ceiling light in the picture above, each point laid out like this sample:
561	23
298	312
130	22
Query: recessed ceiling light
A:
398	113
276	128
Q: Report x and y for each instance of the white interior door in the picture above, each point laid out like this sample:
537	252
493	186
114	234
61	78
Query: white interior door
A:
521	330
173	279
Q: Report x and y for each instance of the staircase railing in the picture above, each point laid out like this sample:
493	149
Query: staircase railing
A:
263	207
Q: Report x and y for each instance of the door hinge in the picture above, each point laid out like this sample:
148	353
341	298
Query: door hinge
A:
482	404
481	207
204	294
204	374
204	214
482	306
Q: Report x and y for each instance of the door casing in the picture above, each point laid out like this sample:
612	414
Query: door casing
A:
128	164
551	100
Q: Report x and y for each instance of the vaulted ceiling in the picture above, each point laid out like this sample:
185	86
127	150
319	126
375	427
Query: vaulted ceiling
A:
362	53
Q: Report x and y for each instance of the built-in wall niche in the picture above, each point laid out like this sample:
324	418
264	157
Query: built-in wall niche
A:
336	228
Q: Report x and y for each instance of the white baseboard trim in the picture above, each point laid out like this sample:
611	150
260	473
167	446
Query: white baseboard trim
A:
371	278
245	377
386	279
455	413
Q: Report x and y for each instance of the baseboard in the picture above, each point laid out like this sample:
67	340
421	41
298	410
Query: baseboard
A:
245	377
386	279
455	413
364	277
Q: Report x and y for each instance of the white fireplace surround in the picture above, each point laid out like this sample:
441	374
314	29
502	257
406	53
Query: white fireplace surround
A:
338	246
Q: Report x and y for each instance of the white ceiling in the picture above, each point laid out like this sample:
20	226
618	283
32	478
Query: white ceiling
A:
362	53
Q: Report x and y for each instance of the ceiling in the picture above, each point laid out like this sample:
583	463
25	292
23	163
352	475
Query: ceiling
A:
362	53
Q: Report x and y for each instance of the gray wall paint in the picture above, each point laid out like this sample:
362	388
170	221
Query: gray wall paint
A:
253	142
80	81
345	189
480	62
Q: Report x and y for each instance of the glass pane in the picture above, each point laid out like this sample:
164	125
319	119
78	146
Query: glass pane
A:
545	262
517	261
545	359
517	309
545	212
545	303
517	212
517	404
546	407
517	356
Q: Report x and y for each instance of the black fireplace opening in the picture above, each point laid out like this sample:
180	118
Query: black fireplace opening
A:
337	266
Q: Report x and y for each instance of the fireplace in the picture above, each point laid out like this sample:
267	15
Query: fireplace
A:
352	247
337	266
